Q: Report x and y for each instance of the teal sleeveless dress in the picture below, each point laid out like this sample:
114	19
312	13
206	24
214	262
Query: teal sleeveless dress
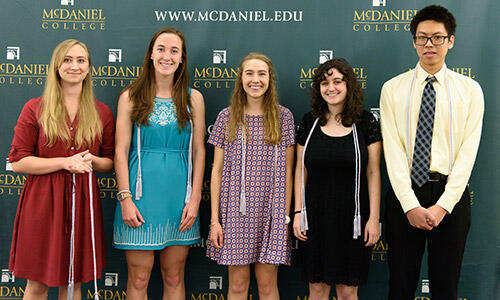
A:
164	165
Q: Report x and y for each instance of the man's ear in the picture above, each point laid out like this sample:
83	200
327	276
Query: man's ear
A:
451	41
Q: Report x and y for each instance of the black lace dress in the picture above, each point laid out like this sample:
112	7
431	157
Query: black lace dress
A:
331	255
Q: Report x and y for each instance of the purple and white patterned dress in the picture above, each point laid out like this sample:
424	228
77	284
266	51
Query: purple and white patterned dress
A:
260	235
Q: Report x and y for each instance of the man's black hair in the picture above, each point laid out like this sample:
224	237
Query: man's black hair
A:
435	13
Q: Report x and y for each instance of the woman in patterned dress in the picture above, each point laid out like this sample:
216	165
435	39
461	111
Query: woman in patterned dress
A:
251	185
159	143
60	139
337	184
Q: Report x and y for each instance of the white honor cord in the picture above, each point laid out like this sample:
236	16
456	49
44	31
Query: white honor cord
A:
357	216
189	186
408	120
357	183
243	201
71	280
138	182
303	212
71	273
275	166
450	165
92	225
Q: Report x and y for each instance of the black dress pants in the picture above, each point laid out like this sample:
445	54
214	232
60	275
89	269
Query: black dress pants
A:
445	245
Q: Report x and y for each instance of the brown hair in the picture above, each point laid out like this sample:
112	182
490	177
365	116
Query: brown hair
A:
272	129
142	90
353	104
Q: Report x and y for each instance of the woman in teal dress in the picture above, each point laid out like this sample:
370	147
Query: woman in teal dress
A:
159	163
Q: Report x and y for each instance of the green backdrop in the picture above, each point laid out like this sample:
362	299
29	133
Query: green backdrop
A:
373	35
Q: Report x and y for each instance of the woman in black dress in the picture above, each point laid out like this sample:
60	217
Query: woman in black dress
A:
337	184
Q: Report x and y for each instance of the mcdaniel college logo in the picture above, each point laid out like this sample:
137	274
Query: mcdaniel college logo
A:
15	72
217	75
68	18
377	18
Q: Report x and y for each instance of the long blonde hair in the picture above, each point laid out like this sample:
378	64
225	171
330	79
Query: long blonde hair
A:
272	128
142	91
52	117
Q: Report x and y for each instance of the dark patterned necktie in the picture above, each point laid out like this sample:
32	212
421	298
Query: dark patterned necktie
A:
423	139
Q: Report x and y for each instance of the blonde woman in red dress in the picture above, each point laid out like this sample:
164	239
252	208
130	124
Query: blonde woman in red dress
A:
60	139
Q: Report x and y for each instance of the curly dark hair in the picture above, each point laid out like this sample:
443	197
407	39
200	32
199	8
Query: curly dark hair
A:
435	13
353	105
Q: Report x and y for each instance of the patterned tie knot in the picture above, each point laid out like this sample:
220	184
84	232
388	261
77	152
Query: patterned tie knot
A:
430	79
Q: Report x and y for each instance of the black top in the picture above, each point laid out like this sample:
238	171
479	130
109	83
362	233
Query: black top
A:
331	254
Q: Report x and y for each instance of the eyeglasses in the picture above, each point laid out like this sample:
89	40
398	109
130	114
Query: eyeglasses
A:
436	40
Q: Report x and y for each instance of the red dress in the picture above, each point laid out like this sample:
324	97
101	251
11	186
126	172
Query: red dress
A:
42	228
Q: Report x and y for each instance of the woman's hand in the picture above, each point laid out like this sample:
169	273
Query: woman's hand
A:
216	235
89	157
301	235
130	214
372	232
79	163
189	214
